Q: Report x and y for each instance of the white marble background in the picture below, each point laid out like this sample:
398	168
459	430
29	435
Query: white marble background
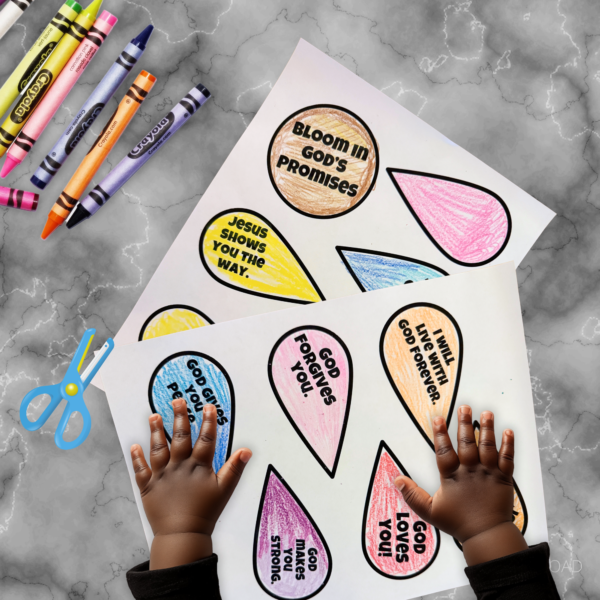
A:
517	83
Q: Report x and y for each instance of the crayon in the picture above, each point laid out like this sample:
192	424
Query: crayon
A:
105	142
18	198
41	83
38	54
64	83
140	155
11	13
91	109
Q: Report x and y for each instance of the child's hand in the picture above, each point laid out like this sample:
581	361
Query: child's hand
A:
475	500
183	497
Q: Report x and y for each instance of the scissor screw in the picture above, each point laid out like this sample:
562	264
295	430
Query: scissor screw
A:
71	389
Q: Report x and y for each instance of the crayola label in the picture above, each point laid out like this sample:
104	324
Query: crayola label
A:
36	63
153	139
80	129
32	96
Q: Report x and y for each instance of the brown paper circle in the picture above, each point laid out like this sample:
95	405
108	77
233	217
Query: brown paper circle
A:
307	190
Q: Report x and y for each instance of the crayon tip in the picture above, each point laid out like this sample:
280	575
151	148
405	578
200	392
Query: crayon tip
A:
51	224
92	10
108	18
74	5
38	182
9	164
142	38
79	214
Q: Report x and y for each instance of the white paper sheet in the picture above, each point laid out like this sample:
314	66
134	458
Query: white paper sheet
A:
318	223
478	311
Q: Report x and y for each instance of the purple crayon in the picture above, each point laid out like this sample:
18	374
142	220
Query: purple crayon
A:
18	198
152	142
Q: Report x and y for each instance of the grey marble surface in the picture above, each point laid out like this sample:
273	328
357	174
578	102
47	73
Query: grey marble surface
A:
516	83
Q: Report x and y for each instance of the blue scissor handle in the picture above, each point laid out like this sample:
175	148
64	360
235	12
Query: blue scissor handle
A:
71	389
55	397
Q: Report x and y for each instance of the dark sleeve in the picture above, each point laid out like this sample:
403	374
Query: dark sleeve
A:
521	576
195	581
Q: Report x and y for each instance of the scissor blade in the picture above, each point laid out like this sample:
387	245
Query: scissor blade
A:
94	362
85	352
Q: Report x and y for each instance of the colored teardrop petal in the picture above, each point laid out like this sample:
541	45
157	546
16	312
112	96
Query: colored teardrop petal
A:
519	509
469	224
242	250
421	351
396	542
378	270
288	543
173	319
310	370
200	380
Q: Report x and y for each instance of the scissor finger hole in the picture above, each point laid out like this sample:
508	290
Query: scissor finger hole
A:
73	427
37	406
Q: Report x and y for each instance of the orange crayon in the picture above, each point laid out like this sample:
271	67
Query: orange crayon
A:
89	166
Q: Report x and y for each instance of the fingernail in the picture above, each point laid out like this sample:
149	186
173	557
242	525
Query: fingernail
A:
134	449
207	408
509	432
177	402
486	415
438	421
465	410
399	483
154	418
245	456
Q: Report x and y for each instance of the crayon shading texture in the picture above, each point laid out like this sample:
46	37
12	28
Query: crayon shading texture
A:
18	198
45	77
284	524
242	250
199	380
109	136
10	14
378	270
93	106
64	83
38	54
469	224
396	542
140	155
421	350
310	371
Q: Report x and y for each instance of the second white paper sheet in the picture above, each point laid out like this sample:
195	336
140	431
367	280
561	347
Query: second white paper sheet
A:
333	188
335	400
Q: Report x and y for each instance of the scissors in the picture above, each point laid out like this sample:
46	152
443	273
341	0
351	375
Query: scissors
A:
70	389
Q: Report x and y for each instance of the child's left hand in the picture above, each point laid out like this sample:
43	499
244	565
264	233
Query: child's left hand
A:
182	495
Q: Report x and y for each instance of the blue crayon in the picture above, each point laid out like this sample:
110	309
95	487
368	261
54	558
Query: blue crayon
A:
152	142
372	270
91	109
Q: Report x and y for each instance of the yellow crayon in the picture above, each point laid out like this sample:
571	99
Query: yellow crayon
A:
106	141
46	76
38	54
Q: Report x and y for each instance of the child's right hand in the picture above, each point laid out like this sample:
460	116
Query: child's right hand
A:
474	503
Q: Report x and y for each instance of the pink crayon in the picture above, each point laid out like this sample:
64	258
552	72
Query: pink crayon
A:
59	91
18	198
